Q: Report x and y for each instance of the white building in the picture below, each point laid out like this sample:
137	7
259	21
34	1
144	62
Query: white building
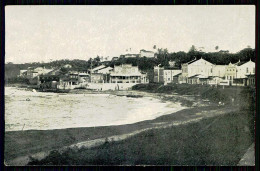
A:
169	75
105	70
126	73
96	69
244	69
147	54
219	70
196	67
34	72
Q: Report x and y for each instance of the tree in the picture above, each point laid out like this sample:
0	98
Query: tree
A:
192	49
216	48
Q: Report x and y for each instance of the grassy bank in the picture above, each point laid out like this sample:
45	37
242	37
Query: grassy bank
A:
212	141
241	95
32	141
220	140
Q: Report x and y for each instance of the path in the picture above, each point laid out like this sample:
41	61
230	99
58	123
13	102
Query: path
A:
189	116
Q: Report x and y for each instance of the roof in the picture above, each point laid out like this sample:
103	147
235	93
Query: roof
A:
146	51
177	75
250	75
109	68
241	63
192	61
124	74
83	74
198	76
98	67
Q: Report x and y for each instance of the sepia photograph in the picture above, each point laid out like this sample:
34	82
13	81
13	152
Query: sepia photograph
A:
98	85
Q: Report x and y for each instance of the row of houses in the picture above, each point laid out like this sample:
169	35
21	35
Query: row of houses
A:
125	75
200	71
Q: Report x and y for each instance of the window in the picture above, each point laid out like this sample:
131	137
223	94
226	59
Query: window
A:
168	79
246	70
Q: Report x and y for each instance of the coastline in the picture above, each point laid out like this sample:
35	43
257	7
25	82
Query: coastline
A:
46	140
39	143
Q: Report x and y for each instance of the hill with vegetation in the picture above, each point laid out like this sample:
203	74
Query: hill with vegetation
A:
145	64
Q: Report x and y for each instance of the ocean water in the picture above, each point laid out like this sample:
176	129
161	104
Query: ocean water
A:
27	110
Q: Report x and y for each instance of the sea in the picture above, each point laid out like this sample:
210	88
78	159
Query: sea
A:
30	110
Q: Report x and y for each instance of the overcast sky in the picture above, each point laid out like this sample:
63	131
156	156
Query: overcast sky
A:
44	33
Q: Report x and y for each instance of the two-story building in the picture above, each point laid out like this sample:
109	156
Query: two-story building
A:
170	75
125	73
196	67
243	71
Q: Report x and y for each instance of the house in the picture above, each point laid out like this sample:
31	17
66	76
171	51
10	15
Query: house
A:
125	73
169	75
219	71
67	66
198	79
48	82
172	63
115	58
96	69
230	73
158	74
237	73
129	55
245	68
144	78
23	73
83	78
176	78
96	78
147	54
105	70
67	82
196	67
34	72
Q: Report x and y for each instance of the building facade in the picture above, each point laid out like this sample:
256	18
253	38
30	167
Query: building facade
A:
125	73
169	75
196	67
158	74
147	54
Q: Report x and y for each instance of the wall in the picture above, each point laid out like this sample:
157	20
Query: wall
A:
245	69
201	67
158	71
110	86
147	54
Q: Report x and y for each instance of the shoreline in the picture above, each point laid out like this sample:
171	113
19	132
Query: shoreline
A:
47	140
40	142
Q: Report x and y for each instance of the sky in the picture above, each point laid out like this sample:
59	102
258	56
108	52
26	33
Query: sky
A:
48	33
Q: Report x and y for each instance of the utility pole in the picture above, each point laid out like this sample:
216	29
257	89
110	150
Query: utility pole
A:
159	73
90	70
